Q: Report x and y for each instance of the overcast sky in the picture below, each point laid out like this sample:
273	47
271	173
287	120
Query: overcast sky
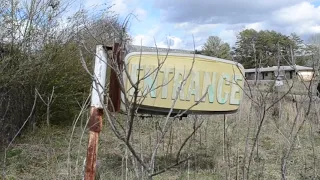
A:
180	20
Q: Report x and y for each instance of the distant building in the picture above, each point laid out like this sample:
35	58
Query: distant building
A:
285	72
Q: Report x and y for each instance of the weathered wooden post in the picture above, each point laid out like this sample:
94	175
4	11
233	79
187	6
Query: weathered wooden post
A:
96	112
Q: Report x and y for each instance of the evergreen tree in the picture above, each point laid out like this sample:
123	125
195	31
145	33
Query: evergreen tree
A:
216	47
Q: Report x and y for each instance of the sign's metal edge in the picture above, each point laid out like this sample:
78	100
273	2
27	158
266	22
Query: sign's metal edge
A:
161	110
172	54
184	55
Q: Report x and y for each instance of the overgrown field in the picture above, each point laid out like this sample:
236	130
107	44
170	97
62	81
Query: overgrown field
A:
225	147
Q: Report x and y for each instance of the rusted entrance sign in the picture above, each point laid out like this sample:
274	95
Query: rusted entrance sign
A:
181	80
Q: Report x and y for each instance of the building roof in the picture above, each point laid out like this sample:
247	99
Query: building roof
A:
282	68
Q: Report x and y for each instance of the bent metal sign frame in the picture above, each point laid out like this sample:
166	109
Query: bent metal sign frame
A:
196	83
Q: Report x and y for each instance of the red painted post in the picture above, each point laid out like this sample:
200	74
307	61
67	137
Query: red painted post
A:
96	111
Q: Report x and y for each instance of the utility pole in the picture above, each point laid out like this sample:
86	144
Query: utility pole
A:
256	73
96	111
279	78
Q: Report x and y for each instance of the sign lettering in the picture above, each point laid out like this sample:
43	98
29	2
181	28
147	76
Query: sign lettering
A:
216	83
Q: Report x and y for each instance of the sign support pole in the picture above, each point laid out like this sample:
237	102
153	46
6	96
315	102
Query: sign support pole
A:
96	111
114	86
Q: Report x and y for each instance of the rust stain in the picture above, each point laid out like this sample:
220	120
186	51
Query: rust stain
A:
95	126
91	156
95	121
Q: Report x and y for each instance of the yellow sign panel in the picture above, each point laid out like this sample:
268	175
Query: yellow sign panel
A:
190	82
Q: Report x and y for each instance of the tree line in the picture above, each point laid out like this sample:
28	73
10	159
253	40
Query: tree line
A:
262	48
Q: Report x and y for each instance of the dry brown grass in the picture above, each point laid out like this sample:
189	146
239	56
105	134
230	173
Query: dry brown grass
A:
44	154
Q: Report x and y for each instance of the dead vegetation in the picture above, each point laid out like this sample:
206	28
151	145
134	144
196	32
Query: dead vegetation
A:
220	149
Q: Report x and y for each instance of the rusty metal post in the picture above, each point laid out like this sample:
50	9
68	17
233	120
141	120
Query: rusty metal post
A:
114	86
96	112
